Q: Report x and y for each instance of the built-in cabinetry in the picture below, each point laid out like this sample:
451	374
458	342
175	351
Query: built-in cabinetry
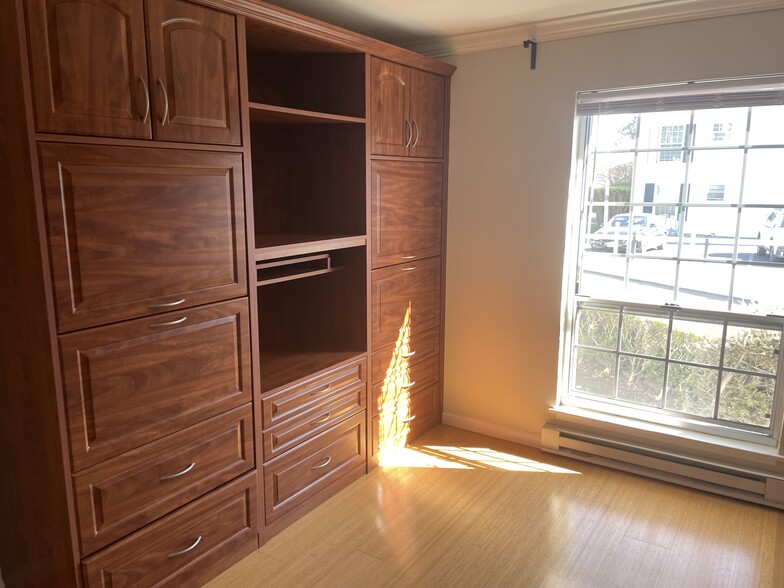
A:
222	240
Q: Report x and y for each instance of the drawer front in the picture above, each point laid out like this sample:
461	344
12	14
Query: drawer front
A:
398	424
125	493
139	231
220	529
406	201
131	383
391	359
405	297
285	403
319	418
402	385
295	476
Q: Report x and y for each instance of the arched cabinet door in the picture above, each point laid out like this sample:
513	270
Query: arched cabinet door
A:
193	73
391	130
89	67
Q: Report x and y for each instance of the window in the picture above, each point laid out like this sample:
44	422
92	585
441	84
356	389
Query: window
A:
716	192
671	136
676	317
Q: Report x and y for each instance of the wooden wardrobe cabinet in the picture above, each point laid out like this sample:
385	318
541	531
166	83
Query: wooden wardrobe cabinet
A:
91	75
222	238
408	117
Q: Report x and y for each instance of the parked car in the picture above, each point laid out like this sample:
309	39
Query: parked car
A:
771	235
648	232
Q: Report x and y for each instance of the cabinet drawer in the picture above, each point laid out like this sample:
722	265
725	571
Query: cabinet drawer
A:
425	411
335	407
418	348
131	383
393	429
295	476
139	231
387	394
186	548
406	201
406	296
123	494
288	402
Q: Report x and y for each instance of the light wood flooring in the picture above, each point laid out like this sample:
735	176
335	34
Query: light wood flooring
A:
469	510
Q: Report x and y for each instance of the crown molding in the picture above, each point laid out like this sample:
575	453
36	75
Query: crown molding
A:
605	21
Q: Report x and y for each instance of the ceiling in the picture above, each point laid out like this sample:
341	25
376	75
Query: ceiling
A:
455	26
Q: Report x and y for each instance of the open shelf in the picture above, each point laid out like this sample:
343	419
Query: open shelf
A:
270	246
269	113
311	320
303	73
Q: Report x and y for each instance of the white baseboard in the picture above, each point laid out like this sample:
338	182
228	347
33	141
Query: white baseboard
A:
492	430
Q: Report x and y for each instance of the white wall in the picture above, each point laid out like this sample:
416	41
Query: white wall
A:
510	157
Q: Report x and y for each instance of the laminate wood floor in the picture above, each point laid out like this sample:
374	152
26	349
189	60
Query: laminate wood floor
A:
461	509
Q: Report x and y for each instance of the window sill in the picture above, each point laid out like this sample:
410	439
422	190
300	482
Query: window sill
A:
660	437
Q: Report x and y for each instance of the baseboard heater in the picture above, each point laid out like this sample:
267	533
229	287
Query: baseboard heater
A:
741	483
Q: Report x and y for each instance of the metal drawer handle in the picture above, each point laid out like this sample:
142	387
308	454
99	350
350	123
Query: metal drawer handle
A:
409	385
409	268
187	549
409	354
167	304
416	126
146	100
410	256
321	465
409	133
178	474
321	419
324	391
169	323
409	419
165	116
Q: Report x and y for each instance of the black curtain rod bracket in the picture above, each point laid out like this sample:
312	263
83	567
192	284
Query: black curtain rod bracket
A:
532	45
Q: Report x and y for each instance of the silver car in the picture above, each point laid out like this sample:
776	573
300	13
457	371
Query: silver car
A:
648	232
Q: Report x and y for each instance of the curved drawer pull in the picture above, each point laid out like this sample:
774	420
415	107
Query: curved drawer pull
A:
146	100
324	464
187	549
178	474
416	126
408	269
169	323
409	354
167	304
324	391
409	133
321	419
409	385
410	256
165	116
409	419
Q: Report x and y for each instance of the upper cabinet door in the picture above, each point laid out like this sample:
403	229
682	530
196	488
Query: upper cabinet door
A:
89	67
193	73
391	130
139	231
426	112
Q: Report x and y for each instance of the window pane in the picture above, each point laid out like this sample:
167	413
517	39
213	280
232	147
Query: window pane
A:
640	380
597	328
746	399
696	341
720	127
612	226
752	349
651	280
764	177
645	335
616	131
712	173
758	290
704	285
594	372
692	390
767	125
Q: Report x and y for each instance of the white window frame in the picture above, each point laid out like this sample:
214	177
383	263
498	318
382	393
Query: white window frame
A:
733	95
